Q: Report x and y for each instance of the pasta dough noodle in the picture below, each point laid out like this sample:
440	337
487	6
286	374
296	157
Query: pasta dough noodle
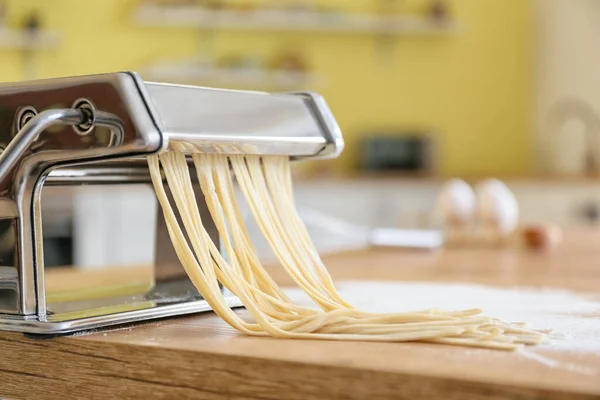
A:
267	188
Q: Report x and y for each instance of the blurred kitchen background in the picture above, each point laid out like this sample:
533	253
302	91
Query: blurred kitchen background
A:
424	90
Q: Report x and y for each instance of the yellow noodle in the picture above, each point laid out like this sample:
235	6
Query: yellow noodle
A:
266	185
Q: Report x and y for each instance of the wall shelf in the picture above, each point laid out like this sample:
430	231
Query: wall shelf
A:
14	39
272	20
255	78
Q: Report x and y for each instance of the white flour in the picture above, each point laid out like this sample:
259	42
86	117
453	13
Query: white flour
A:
573	317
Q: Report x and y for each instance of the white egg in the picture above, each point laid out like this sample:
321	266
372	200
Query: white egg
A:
456	203
497	206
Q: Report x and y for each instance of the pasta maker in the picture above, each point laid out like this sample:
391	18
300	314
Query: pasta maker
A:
97	130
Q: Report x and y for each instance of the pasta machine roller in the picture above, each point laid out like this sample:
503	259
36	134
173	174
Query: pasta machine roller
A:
97	129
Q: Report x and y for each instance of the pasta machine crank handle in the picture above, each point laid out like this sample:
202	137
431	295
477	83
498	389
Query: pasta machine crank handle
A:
31	129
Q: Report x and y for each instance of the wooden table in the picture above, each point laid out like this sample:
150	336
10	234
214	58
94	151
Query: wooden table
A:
201	357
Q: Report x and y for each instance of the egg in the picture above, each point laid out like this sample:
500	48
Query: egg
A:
541	237
497	208
455	206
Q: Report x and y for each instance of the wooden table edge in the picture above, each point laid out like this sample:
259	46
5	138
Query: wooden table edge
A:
94	369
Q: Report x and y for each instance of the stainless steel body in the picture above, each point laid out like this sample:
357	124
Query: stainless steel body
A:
97	130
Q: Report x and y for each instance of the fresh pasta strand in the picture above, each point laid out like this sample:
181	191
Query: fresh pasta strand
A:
266	185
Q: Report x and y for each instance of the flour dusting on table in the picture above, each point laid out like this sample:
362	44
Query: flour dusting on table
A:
573	317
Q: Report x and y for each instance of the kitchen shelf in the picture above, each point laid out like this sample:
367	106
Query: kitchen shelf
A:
235	77
271	20
21	39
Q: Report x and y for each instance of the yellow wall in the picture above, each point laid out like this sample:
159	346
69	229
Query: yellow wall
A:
472	88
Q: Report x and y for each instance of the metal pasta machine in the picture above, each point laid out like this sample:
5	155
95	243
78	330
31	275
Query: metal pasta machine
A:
97	130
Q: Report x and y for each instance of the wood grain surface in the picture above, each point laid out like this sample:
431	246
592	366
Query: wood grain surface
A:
201	357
